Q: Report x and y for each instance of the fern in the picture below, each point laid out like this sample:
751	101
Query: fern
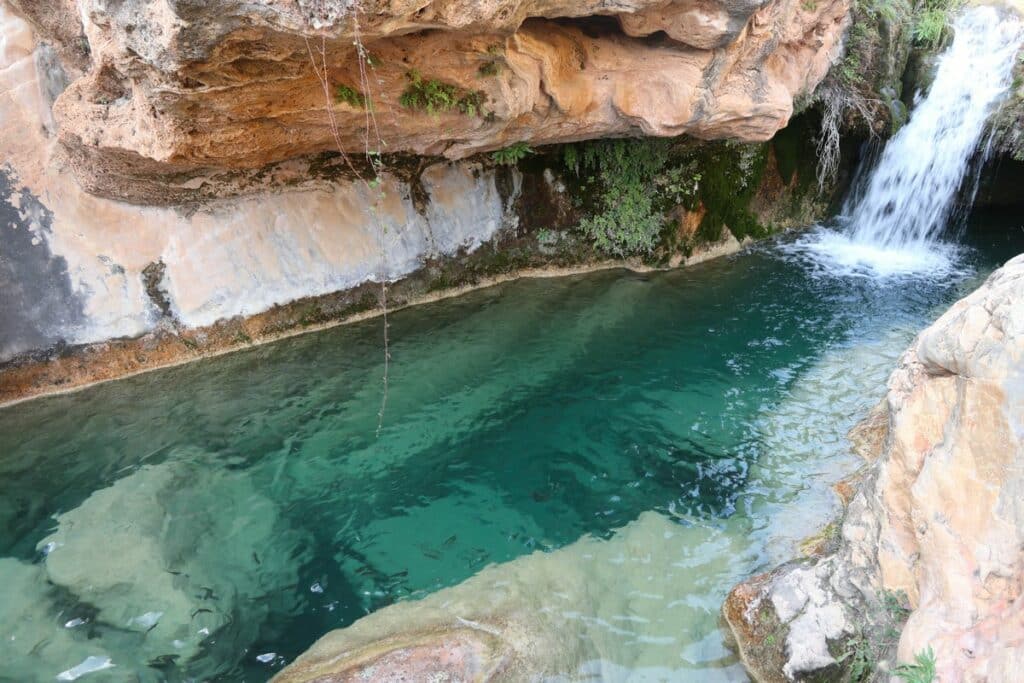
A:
921	671
511	155
434	97
350	96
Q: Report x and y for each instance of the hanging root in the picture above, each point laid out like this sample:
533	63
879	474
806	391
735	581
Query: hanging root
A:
838	105
318	60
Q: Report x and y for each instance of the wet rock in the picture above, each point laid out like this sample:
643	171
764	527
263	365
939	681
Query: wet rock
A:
32	639
596	610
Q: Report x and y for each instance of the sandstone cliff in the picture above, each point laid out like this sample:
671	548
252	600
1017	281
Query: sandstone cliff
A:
201	108
936	527
167	96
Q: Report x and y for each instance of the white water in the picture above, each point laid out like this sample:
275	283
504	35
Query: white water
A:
893	226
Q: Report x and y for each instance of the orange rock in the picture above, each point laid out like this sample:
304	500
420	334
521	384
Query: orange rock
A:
174	89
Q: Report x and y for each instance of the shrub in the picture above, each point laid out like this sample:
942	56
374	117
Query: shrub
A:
511	155
627	222
350	96
491	68
433	96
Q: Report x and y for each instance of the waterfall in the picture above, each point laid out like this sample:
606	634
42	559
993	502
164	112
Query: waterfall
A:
893	224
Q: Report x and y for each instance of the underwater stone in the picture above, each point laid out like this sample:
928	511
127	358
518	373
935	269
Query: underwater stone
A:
32	639
596	608
170	553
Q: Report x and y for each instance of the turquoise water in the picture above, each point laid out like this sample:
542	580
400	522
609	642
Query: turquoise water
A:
209	522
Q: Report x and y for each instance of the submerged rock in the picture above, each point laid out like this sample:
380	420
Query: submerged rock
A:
937	525
596	609
176	558
33	639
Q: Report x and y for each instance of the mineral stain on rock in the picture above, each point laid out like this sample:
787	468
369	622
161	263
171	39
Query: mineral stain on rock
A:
37	303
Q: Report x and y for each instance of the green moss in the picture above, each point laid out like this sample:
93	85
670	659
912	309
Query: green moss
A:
732	174
311	314
434	97
350	96
791	153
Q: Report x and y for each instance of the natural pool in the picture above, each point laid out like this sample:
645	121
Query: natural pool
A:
209	522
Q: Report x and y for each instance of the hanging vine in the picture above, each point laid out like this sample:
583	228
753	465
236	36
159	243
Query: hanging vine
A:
364	96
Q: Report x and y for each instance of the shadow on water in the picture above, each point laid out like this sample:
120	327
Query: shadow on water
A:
520	418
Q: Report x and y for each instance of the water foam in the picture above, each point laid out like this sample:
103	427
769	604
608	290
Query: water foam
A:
893	227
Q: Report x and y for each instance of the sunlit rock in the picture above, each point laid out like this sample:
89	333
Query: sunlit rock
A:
170	91
938	520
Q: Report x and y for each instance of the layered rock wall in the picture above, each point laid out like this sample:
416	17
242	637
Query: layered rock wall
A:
169	95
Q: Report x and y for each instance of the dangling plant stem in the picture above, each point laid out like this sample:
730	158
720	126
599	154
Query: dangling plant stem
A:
318	60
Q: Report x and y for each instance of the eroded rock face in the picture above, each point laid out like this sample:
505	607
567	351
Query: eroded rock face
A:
939	519
175	89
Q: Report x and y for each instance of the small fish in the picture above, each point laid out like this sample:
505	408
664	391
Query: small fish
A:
256	558
365	571
200	610
163	661
449	541
433	555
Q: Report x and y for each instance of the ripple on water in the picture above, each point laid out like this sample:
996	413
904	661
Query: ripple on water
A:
618	449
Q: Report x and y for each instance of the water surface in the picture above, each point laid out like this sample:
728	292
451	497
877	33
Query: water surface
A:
209	522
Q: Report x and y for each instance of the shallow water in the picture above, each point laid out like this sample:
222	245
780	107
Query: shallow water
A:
211	521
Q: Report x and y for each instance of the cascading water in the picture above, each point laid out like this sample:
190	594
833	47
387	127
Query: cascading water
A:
893	224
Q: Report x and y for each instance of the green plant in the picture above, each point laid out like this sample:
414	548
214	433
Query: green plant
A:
931	19
547	237
894	604
859	658
490	68
350	96
627	222
511	155
433	96
921	671
928	27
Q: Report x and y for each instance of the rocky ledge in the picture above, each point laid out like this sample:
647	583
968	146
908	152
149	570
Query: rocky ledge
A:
165	97
931	543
